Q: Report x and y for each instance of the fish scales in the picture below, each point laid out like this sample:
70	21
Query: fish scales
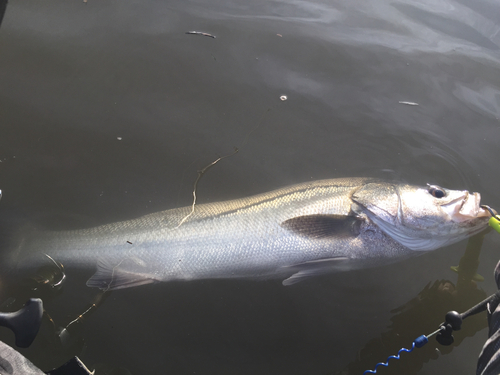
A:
293	233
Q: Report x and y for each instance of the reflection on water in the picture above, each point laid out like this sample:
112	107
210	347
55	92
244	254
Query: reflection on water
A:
108	109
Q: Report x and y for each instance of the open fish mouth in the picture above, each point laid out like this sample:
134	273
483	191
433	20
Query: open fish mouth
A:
465	209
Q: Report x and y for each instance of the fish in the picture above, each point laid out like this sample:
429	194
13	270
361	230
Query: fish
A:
292	233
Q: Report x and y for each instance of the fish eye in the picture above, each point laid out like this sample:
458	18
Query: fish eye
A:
436	191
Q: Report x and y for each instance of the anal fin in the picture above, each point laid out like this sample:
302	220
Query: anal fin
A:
112	276
312	268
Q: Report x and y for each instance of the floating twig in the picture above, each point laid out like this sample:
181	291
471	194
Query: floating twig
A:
200	33
200	175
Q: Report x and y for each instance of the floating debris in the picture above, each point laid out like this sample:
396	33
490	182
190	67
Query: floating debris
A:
119	138
200	33
200	175
283	97
281	36
129	242
408	103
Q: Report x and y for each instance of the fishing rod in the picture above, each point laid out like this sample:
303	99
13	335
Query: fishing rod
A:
453	320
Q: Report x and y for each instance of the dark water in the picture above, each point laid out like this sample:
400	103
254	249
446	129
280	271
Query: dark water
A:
108	109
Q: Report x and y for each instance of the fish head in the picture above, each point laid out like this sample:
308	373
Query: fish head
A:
421	218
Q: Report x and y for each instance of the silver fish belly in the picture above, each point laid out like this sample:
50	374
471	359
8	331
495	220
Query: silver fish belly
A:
292	233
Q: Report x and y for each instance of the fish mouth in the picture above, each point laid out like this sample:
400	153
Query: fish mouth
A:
466	208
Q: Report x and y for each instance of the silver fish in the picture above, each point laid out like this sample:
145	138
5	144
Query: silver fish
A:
291	233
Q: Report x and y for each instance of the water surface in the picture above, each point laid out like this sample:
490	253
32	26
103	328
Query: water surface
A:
108	109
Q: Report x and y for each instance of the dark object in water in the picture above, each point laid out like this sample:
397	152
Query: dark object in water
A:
73	367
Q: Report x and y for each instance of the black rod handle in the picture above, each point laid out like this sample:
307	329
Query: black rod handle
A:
25	323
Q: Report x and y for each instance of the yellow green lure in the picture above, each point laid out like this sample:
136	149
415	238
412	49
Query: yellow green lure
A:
494	221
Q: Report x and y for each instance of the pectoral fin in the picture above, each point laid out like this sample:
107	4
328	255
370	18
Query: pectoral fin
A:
313	268
124	274
324	226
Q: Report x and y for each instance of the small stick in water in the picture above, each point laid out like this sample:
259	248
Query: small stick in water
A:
200	174
200	33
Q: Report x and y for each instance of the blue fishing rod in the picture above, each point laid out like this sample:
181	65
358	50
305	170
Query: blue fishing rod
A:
453	320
